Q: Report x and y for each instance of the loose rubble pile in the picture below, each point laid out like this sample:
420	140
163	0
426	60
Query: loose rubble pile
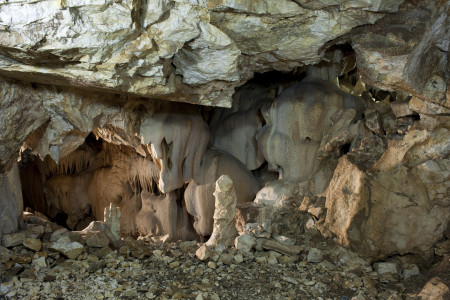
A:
46	261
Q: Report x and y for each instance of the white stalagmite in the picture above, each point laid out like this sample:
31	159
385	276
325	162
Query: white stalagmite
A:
224	230
112	219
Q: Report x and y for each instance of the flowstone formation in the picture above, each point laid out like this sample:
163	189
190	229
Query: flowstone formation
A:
326	121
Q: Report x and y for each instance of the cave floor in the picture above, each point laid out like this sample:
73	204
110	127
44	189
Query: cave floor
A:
149	268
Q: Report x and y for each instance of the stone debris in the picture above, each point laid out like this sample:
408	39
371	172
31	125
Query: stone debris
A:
279	247
435	289
245	242
67	248
14	239
315	255
32	244
386	267
98	240
410	270
155	270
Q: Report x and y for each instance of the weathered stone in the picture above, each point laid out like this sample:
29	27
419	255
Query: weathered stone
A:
35	232
238	258
69	249
244	242
185	246
442	248
199	195
98	226
435	289
112	219
57	234
226	258
390	60
97	240
390	193
428	108
213	45
5	254
21	258
279	247
205	252
11	200
288	259
224	230
14	239
385	267
402	109
289	118
314	255
39	262
32	244
410	270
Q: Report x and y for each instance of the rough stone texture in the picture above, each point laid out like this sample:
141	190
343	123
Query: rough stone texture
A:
112	219
314	255
245	242
13	239
412	41
192	51
177	137
199	52
199	195
369	211
224	230
97	226
32	244
97	240
281	248
298	120
11	201
67	248
234	130
386	267
435	289
161	215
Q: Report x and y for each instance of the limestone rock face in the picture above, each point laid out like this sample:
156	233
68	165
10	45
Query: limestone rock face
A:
189	51
414	40
178	138
11	201
398	206
161	215
234	130
297	121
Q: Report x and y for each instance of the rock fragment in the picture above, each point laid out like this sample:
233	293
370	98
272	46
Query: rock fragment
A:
281	248
244	242
33	244
314	255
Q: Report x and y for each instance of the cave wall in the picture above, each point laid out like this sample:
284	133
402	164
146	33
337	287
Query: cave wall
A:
366	90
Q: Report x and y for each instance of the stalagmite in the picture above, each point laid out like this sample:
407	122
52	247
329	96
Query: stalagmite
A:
112	219
199	194
224	229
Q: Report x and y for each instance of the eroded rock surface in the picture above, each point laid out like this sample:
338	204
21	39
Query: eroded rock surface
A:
297	121
189	51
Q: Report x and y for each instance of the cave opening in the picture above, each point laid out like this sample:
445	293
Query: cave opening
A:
155	186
